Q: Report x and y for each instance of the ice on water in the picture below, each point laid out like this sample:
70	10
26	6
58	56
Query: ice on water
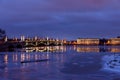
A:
112	62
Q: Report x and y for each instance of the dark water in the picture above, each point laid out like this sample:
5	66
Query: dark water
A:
65	63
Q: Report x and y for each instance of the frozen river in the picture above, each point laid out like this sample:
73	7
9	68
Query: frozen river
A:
65	63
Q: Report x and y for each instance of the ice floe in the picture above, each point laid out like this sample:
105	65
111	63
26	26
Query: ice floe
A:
112	62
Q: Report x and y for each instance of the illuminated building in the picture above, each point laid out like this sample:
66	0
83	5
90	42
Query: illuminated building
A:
88	41
6	39
113	41
22	38
36	38
64	41
73	42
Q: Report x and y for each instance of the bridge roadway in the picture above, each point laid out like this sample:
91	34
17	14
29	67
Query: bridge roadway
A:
19	44
43	43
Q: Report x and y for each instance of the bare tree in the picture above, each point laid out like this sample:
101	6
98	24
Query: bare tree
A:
2	34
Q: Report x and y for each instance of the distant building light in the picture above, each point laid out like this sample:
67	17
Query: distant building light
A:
6	38
22	38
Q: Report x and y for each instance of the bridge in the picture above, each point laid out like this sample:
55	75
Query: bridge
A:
43	43
33	43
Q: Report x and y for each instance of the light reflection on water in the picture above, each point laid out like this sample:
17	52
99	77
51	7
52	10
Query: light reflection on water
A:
75	48
45	49
66	63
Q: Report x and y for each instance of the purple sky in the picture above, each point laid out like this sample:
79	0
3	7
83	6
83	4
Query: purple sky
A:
61	18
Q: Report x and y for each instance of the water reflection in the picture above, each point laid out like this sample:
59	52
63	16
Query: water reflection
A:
88	49
75	48
17	58
10	64
63	60
98	49
6	58
45	49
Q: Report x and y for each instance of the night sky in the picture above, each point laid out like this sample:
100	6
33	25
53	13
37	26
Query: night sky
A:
68	19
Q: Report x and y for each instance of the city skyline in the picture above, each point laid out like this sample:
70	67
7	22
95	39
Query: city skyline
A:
62	19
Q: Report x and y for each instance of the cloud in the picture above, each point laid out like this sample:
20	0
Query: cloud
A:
56	17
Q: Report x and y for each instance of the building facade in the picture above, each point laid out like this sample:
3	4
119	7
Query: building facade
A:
88	41
113	41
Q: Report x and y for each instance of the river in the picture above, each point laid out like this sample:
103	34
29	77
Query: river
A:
63	63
